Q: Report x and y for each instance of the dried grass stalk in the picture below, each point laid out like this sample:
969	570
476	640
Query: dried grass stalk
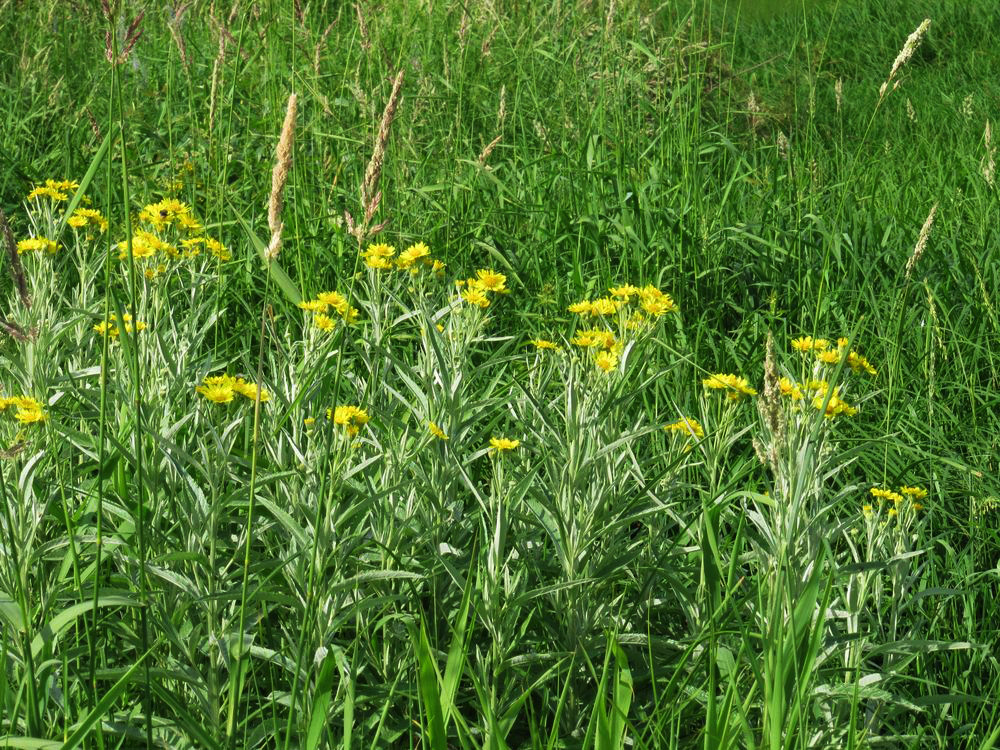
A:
909	47
16	269
282	165
371	196
989	165
918	249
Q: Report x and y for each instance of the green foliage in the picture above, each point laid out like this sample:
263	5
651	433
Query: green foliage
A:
247	572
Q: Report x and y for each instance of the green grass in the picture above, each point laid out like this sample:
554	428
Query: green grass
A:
180	573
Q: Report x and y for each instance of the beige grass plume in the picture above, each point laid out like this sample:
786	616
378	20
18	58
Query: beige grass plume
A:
989	164
918	249
909	47
371	196
282	165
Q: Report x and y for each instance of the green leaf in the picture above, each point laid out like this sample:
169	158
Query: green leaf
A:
54	627
278	274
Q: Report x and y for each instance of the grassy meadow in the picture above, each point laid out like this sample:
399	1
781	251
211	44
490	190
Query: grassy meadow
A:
441	374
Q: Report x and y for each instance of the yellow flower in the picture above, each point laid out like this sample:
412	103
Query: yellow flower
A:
30	416
916	493
217	393
436	431
886	495
88	217
829	357
46	191
655	302
36	244
735	386
474	296
314	306
351	418
892	512
606	361
594	337
412	254
309	421
544	344
789	388
491	281
437	266
626	291
687	425
164	212
604	306
857	363
250	390
502	445
867	510
323	322
335	300
835	406
188	223
217	249
580	308
377	256
917	506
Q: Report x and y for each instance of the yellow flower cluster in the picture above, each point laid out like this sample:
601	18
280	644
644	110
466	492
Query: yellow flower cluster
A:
830	355
542	344
167	212
382	257
88	217
26	409
323	302
110	327
476	291
649	299
436	431
37	245
351	418
734	386
687	425
221	389
914	494
503	445
817	390
54	189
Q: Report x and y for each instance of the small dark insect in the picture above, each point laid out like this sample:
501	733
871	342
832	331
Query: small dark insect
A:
164	213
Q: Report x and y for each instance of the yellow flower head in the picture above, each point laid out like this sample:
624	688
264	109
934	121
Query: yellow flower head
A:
250	390
351	418
336	300
84	217
377	256
324	322
503	445
915	493
474	296
687	425
217	393
625	292
605	306
217	249
412	254
45	191
789	388
544	344
314	305
436	431
491	281
37	244
655	302
580	308
594	337
734	386
606	361
829	357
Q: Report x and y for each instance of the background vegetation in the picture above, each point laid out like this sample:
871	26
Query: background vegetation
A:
187	574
